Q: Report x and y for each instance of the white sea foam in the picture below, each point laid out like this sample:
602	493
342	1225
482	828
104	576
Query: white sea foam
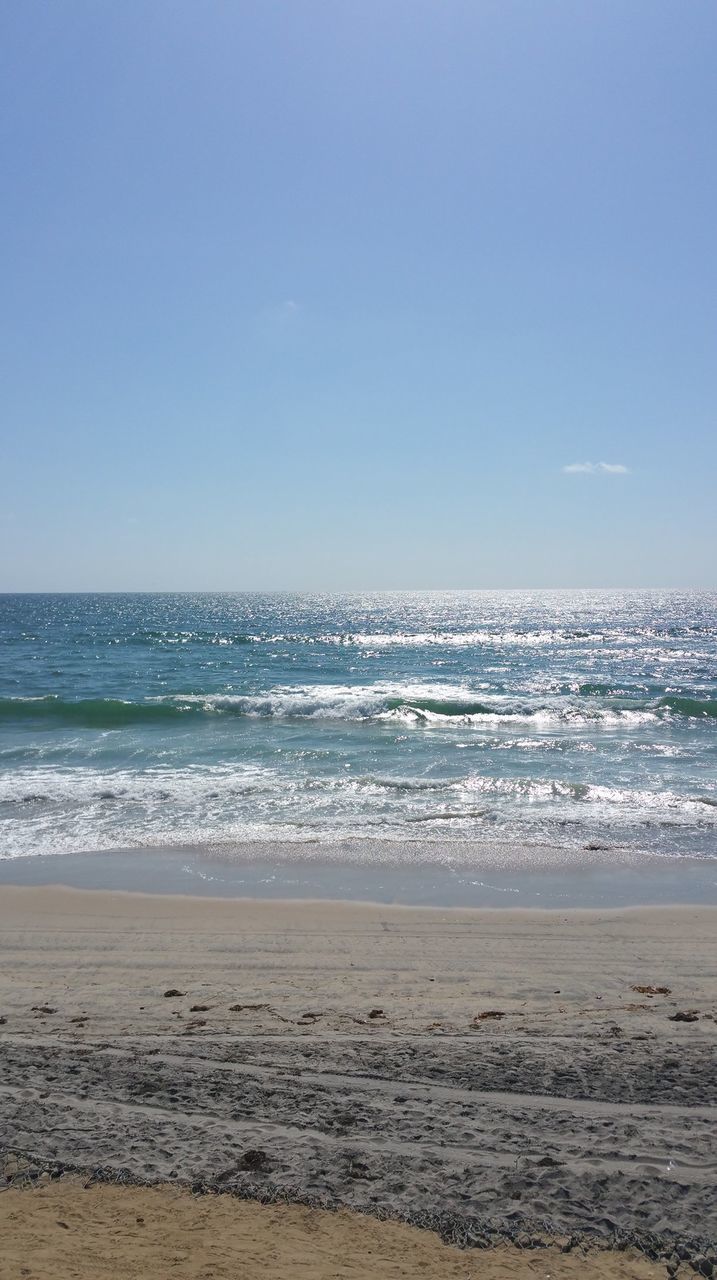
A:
641	800
77	786
58	810
566	717
416	704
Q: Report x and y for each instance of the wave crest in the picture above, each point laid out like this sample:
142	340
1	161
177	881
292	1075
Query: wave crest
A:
411	706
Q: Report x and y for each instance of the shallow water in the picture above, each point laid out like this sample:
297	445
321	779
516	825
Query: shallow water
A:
380	875
417	719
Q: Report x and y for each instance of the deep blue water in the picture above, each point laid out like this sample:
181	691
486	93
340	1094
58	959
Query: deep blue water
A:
561	718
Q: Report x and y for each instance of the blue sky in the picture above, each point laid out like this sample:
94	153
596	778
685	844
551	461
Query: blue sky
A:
330	295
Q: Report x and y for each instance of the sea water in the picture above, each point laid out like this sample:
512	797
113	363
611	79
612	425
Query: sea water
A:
429	726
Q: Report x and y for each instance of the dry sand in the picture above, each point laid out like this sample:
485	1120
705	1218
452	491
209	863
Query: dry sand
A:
108	1233
486	1073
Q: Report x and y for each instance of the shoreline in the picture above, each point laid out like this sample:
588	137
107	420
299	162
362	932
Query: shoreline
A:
499	1068
164	904
528	876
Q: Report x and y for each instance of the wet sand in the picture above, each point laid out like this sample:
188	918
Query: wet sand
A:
490	1074
450	873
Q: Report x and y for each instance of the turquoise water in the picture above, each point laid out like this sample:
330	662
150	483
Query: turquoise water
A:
434	723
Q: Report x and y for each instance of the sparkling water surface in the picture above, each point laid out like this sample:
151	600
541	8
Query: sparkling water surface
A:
428	721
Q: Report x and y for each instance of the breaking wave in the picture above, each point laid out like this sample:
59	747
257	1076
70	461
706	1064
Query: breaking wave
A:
411	706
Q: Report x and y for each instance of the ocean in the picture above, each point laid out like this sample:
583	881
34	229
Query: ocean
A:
425	727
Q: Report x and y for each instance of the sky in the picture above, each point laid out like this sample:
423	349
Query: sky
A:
356	294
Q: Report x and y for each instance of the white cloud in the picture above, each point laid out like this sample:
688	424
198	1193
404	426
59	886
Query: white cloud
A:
596	469
283	313
275	321
287	310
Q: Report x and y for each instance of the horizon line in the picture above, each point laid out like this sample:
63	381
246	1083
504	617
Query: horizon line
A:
329	591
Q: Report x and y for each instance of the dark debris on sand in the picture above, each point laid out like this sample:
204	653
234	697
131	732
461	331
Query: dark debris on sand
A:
464	1232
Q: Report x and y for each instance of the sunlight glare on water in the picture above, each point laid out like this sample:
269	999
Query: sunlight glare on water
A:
532	717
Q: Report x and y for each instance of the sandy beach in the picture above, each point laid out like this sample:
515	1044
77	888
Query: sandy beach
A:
101	1232
492	1075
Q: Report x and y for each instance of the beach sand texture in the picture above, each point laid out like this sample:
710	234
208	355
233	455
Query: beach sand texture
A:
510	1071
63	1232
